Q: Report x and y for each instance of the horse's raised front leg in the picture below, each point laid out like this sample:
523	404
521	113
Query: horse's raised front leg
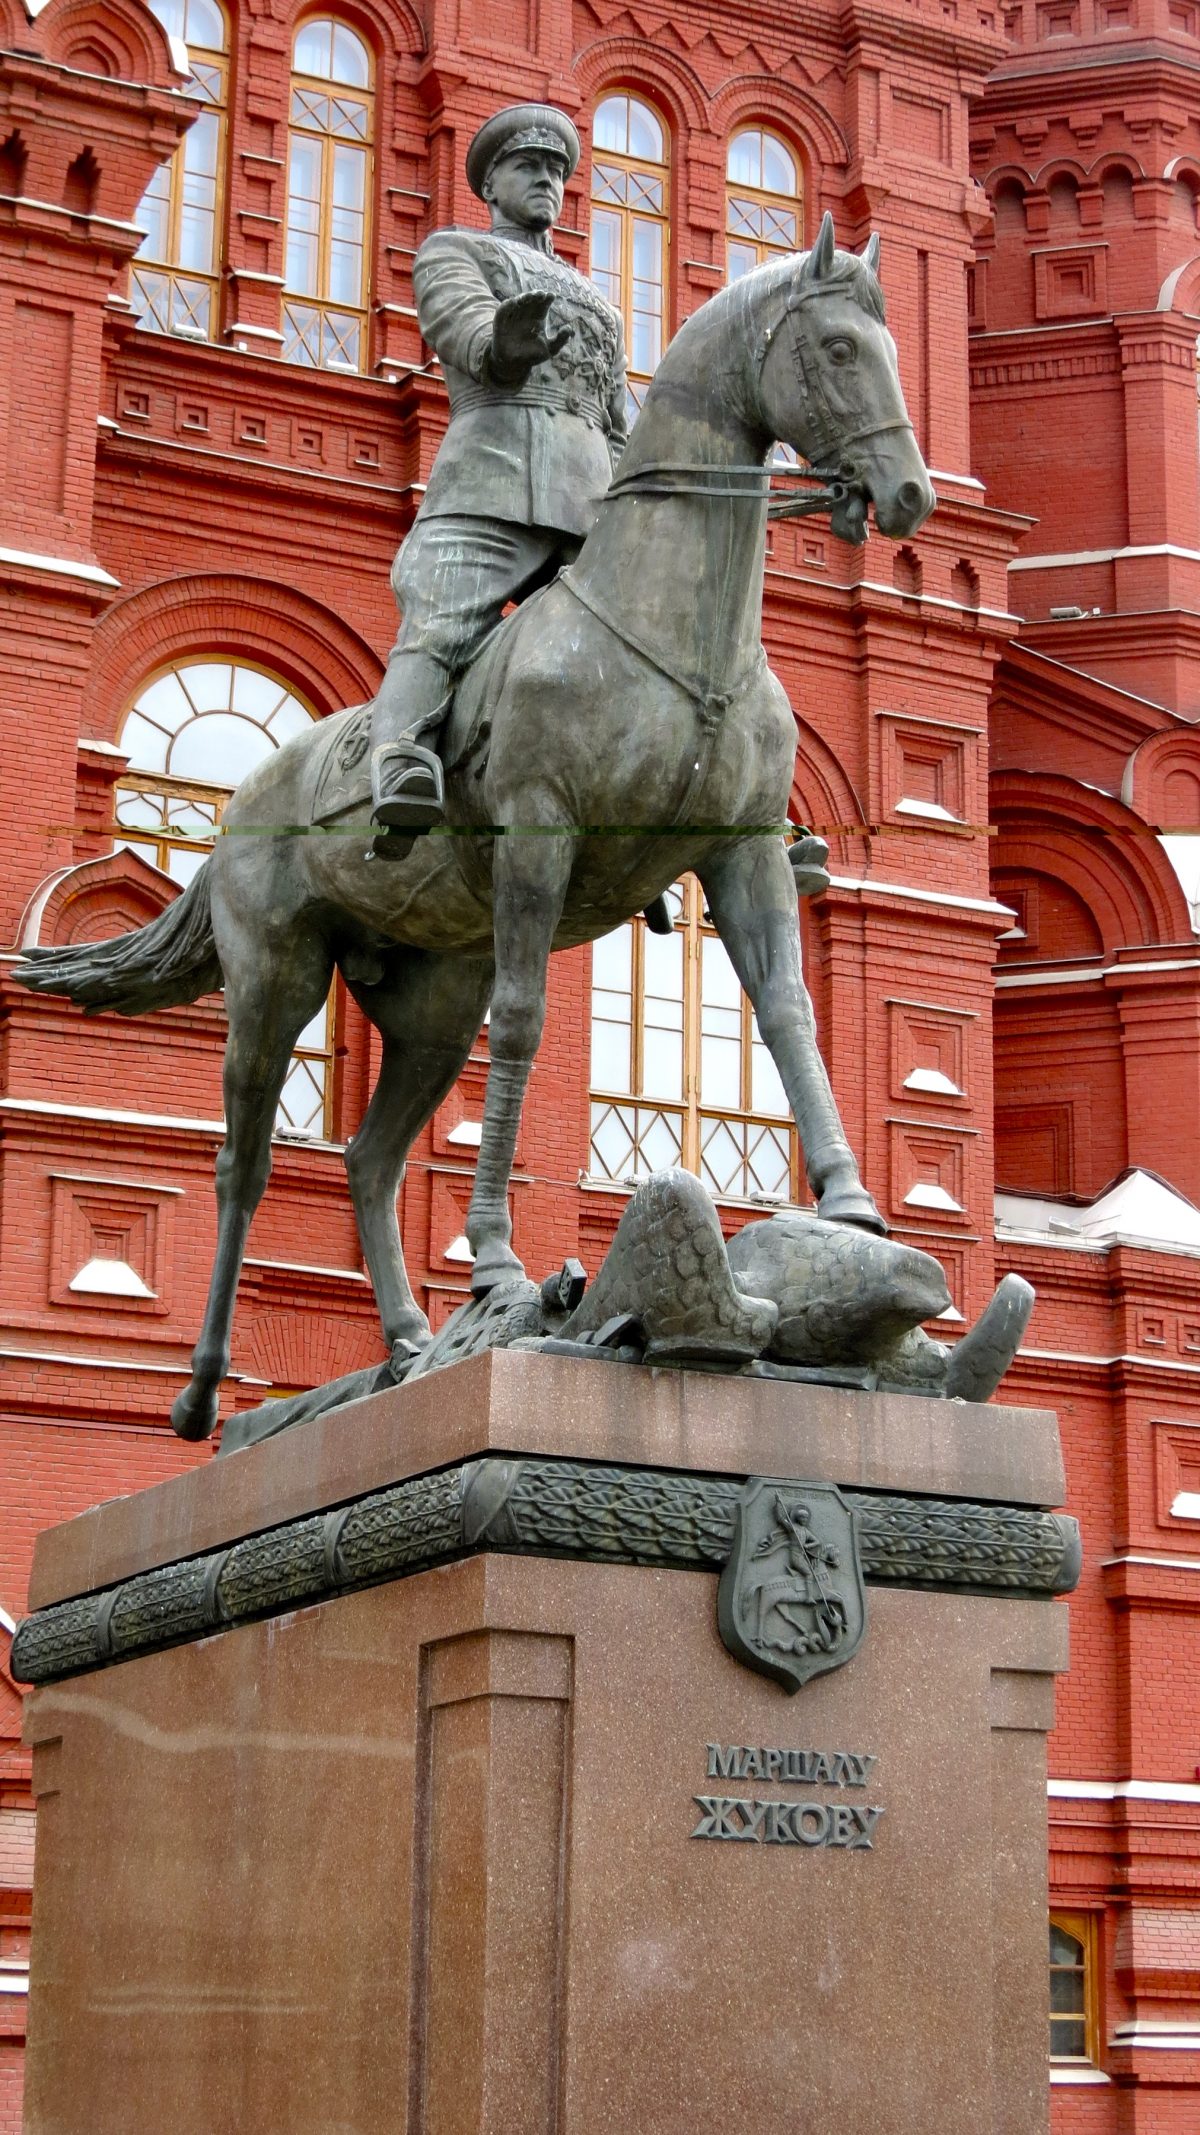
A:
529	882
428	1010
751	893
272	989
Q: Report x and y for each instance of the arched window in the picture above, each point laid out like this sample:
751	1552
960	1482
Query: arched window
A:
191	735
173	283
679	1073
629	244
1074	2012
763	201
329	170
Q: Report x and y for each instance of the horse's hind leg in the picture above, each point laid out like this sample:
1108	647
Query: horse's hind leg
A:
529	882
428	1010
274	985
752	894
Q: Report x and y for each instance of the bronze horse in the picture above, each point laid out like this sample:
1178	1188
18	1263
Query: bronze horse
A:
621	727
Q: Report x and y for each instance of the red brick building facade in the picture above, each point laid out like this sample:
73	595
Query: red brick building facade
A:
212	451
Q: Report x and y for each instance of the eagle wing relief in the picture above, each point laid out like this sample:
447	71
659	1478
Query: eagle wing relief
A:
341	781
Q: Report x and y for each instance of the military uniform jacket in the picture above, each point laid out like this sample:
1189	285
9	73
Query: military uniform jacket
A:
538	454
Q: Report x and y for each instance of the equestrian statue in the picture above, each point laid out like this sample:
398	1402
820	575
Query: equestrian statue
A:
620	727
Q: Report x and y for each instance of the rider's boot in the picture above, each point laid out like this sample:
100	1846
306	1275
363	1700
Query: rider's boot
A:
407	785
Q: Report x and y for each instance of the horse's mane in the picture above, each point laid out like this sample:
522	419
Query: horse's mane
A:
734	319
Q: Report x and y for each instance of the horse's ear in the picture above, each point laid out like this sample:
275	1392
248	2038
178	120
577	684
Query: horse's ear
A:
871	255
820	259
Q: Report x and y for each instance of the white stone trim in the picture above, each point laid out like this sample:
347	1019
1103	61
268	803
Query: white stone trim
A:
1060	2073
907	889
47	1110
14	1982
1075	1356
1122	1790
305	1267
1067	557
61	566
82	1363
930	600
1137	1556
1083	977
1158	2034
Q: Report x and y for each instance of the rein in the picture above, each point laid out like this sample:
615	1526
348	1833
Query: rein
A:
664	478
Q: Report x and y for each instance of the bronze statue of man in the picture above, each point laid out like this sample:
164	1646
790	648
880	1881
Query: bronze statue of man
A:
534	363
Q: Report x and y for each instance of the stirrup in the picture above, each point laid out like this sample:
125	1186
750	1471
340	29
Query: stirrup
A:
408	788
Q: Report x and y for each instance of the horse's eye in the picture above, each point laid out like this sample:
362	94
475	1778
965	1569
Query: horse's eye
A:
840	351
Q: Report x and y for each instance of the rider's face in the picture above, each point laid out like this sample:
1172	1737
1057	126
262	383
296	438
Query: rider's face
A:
527	188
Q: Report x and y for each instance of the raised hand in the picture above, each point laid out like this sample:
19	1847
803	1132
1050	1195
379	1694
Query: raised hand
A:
522	335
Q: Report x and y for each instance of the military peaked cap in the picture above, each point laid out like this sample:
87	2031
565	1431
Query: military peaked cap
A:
521	126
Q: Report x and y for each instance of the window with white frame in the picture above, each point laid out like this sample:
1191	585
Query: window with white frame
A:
174	279
330	140
191	735
679	1072
630	230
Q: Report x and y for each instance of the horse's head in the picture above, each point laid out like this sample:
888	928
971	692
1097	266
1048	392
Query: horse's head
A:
828	384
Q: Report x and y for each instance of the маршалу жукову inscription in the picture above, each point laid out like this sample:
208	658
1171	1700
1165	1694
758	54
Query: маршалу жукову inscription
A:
787	1823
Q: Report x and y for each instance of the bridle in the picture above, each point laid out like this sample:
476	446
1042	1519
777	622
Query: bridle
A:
828	440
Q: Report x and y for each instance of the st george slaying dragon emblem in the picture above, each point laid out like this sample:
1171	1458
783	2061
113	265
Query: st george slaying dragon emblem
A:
791	1601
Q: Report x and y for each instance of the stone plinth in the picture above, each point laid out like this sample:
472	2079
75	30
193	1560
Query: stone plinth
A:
423	1857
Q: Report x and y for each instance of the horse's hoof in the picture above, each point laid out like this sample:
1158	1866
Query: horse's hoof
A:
194	1414
851	1204
495	1264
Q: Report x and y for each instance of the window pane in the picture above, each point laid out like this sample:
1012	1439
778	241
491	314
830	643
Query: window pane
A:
610	1055
721	1072
204	24
1066	1992
182	864
314	49
610	127
778	169
646	343
1068	2038
351	62
219	747
740	260
645	133
612	1140
612	959
284	725
647	254
139	811
315	1036
200	147
659	1141
209	684
135	845
1064	1948
154	217
662	1064
259	696
767	1093
744	161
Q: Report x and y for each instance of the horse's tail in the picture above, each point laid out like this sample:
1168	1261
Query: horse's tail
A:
169	962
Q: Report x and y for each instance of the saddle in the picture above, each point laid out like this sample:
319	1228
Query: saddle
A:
342	783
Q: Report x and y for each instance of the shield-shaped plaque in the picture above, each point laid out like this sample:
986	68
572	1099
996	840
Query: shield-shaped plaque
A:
791	1600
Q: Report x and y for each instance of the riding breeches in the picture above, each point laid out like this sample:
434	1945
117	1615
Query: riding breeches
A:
453	578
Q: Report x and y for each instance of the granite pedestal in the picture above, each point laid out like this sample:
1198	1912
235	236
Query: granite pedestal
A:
455	1852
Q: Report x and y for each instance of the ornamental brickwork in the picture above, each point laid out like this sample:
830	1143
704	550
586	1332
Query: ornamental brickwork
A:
200	498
